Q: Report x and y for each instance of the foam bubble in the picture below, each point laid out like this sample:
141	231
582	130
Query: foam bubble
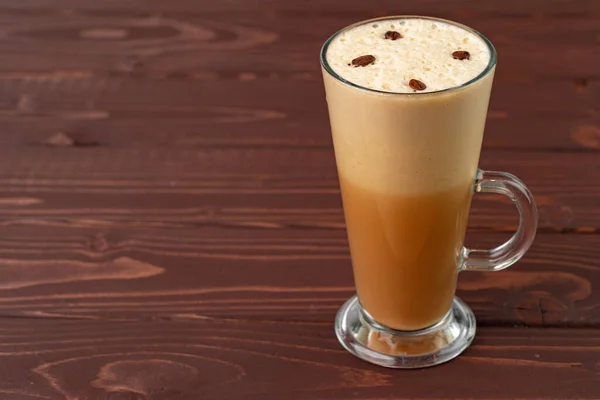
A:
424	53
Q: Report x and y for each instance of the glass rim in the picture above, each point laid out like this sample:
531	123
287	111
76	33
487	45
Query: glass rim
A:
482	74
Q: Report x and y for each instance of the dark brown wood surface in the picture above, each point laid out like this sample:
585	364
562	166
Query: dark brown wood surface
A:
170	217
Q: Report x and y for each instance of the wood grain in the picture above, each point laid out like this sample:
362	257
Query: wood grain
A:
171	225
201	113
257	187
218	359
121	67
267	275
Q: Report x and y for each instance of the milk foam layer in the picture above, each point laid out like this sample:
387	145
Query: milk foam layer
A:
405	144
423	53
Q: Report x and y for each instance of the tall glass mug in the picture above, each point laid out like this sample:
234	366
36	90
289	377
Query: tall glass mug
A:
407	164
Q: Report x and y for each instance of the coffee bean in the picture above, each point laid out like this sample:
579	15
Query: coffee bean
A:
461	55
392	35
363	61
417	85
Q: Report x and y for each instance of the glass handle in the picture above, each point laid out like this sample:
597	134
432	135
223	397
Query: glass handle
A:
510	252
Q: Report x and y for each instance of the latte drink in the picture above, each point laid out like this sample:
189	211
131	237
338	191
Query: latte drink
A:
407	100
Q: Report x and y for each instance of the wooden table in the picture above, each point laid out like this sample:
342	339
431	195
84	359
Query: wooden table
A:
171	220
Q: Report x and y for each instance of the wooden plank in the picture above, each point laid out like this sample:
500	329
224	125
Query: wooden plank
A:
274	273
199	113
265	40
186	66
507	8
215	359
253	187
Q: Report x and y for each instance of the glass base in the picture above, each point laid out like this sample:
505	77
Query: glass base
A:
377	344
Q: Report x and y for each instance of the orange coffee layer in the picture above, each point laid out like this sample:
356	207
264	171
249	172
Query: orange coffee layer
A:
405	252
